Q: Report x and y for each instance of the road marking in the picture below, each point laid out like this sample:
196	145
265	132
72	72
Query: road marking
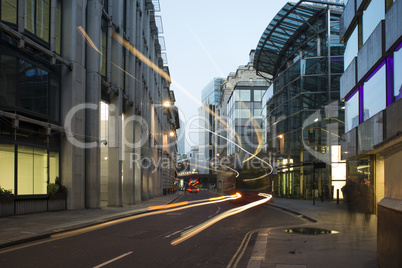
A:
112	260
240	251
259	251
219	209
188	227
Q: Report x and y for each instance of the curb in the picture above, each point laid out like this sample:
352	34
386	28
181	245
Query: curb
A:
293	212
89	223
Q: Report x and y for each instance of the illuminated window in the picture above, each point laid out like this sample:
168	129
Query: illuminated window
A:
37	18
7	166
9	11
32	170
58	26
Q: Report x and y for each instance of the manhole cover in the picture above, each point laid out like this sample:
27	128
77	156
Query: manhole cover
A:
309	231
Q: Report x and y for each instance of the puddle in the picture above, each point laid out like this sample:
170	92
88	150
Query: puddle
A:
309	231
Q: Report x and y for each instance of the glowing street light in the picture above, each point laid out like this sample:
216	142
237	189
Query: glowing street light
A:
172	134
166	104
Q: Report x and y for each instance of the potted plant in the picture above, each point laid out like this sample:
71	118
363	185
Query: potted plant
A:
6	202
57	195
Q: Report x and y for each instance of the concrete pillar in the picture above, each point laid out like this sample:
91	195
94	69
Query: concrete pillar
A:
73	94
128	166
115	152
137	169
92	119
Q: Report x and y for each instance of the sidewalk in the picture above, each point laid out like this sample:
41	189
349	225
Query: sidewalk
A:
353	245
23	228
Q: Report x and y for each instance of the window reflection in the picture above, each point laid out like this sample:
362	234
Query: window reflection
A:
397	76
351	48
352	112
8	80
33	88
374	94
372	15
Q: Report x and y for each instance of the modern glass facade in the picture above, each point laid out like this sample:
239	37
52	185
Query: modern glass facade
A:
211	94
301	115
244	119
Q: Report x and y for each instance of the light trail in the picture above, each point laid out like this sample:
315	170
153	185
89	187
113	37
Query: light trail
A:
164	75
201	227
88	39
237	173
256	179
241	148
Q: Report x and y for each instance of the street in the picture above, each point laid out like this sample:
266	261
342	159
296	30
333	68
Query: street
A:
147	241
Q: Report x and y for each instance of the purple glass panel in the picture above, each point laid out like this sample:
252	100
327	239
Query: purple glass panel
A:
351	95
398	47
390	80
361	108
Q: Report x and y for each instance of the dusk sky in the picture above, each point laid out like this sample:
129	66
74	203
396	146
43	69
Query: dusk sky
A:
210	38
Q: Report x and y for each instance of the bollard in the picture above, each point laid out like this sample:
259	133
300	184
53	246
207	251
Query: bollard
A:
337	196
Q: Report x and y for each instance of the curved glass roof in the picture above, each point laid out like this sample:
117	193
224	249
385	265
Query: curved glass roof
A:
278	39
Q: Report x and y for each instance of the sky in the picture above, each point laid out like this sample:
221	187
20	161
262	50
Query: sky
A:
210	38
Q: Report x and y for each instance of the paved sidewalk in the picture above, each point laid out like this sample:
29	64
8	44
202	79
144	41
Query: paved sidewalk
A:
354	244
23	228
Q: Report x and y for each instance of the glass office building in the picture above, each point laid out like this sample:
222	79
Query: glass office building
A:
302	119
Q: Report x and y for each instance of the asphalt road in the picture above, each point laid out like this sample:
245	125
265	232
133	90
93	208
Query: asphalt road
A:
149	240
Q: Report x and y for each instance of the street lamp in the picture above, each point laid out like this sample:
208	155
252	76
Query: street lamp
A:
172	134
166	104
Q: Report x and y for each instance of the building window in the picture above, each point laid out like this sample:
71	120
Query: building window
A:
7	166
33	88
374	93
25	86
243	114
9	11
37	18
372	15
351	48
32	170
103	48
397	76
58	26
352	112
242	95
8	80
258	95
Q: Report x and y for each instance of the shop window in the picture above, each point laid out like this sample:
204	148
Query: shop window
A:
32	171
53	166
7	166
374	93
9	11
37	18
